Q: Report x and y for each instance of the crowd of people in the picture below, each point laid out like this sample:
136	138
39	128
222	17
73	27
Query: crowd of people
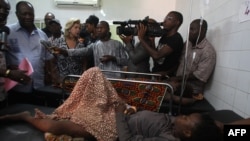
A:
86	49
81	46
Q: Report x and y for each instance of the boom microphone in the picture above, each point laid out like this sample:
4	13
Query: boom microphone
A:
119	22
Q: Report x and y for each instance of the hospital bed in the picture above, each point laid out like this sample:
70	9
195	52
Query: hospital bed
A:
138	85
145	93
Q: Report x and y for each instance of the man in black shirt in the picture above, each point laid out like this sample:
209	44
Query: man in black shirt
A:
166	55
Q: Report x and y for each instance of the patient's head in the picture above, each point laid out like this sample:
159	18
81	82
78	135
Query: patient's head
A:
196	127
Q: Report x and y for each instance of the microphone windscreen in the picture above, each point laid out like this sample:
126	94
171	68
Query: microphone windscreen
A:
119	22
5	29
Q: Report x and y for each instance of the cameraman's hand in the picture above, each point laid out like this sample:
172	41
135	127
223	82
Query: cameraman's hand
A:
126	39
141	31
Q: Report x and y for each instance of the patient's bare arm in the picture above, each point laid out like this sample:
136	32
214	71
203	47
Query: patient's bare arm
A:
56	127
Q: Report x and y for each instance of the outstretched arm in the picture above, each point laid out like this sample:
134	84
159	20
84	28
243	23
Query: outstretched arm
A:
63	127
85	51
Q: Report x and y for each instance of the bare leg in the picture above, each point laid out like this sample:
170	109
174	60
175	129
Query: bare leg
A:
49	125
15	117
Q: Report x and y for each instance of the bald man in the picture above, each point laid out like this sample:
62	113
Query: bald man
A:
47	18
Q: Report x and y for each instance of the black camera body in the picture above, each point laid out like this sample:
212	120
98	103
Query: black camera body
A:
129	28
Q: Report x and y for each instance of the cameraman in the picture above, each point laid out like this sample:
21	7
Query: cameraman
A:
166	55
16	75
138	55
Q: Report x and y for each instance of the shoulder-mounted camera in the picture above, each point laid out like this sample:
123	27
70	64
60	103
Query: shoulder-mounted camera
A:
129	27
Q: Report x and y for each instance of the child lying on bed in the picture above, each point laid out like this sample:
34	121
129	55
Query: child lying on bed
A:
95	111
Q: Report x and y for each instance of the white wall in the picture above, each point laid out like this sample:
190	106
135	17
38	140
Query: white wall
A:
114	10
230	84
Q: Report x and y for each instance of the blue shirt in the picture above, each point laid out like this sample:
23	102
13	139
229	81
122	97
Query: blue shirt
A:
24	44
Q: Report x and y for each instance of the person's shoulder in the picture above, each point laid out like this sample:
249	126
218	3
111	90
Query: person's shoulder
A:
207	48
13	26
96	43
113	40
116	41
178	36
40	31
209	45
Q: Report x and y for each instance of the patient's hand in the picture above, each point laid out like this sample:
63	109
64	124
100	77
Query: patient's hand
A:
131	110
125	108
119	107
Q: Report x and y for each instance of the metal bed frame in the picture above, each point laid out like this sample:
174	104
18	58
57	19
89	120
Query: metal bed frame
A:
167	86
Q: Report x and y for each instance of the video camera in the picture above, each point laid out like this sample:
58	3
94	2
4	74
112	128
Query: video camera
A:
129	27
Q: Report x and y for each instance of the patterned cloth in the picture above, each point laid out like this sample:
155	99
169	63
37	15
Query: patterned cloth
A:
143	96
134	92
90	105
